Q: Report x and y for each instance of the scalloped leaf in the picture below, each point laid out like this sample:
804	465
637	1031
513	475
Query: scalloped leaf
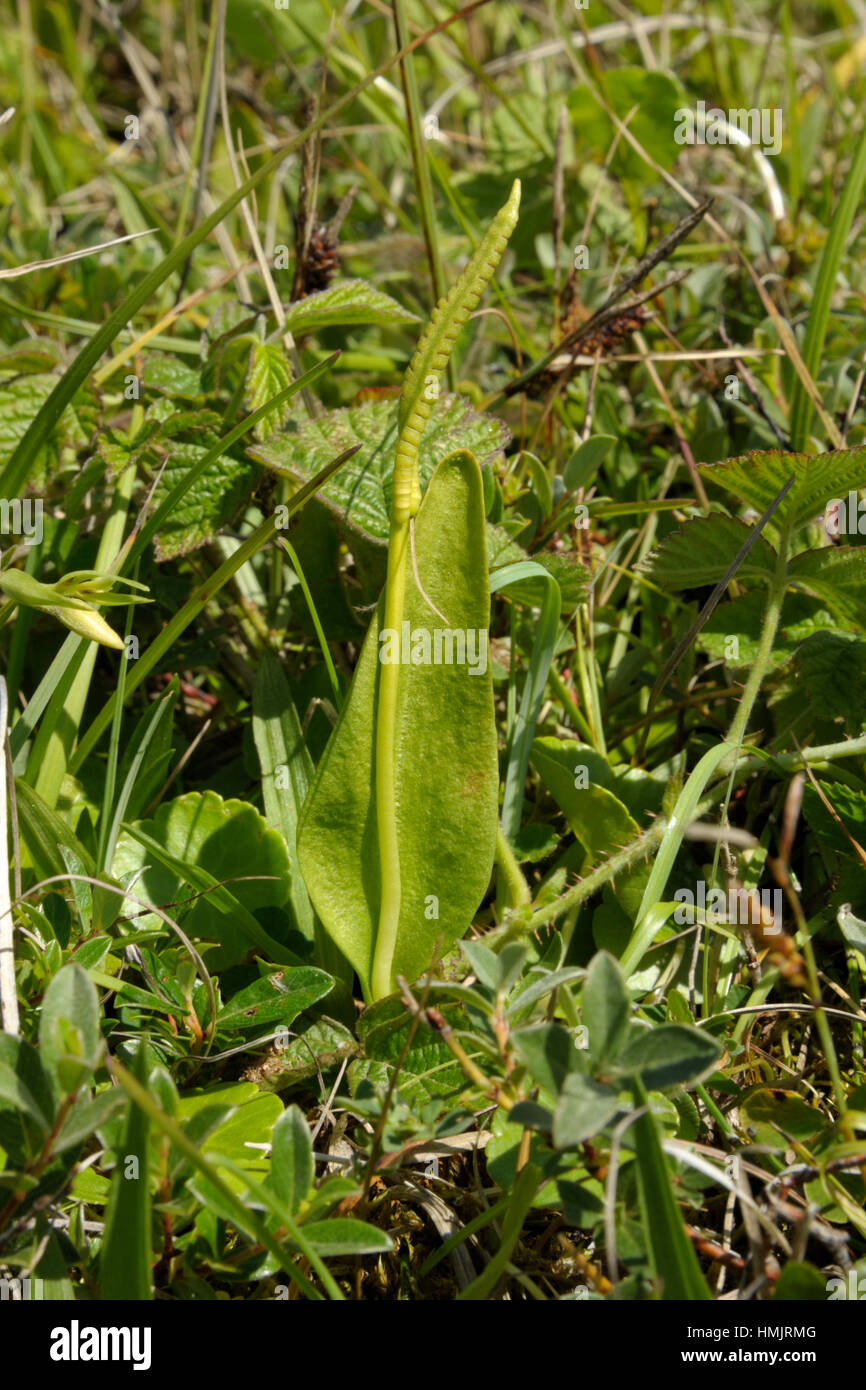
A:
268	374
345	303
213	499
837	575
428	1069
22	398
759	477
360	493
171	376
830	668
743	618
702	550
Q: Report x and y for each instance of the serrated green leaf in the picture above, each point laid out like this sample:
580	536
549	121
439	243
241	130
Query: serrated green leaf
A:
208	505
429	1068
837	575
361	492
830	668
755	479
743	618
269	373
171	376
22	398
344	303
702	550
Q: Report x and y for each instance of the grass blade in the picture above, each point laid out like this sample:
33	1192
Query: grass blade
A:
819	316
646	925
162	645
126	1245
523	731
672	1257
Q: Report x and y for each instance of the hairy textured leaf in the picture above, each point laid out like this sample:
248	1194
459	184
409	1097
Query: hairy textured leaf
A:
269	373
756	479
583	1109
702	550
837	575
548	1052
743	618
830	668
171	376
362	491
429	1068
21	399
344	303
208	505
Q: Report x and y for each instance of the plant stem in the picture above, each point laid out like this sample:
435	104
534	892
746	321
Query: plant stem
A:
386	791
518	888
772	616
645	843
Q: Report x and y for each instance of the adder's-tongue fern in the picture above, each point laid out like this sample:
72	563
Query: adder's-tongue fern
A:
421	382
420	391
